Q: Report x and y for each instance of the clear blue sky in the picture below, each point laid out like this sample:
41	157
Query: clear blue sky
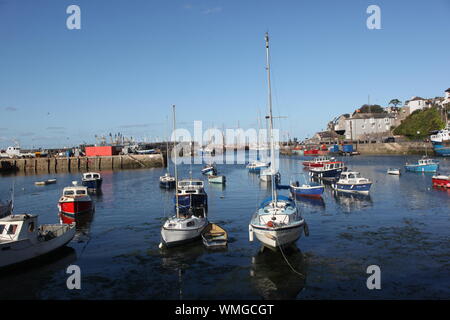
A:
132	60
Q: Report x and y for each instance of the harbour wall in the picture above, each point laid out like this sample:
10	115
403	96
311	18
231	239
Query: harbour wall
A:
406	147
83	164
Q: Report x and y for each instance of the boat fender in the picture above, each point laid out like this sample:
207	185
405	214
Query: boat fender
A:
306	229
250	233
270	224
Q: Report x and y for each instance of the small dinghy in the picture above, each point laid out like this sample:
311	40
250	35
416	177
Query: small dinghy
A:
21	239
209	169
45	182
394	171
214	236
217	179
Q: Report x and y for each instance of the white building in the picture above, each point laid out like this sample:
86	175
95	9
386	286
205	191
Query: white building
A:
416	103
362	126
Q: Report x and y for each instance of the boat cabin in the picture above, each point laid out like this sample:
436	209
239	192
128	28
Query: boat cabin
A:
424	162
75	191
91	176
18	227
190	186
333	165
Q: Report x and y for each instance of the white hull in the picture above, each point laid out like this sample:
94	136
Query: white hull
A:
177	236
22	250
274	238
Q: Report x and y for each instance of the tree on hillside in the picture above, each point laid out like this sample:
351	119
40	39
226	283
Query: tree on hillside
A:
371	108
422	121
395	102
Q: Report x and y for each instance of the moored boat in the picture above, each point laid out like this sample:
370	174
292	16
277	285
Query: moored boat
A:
217	179
191	194
329	171
167	181
441	181
351	181
93	181
45	182
310	189
317	162
257	166
393	171
214	236
74	201
209	169
21	239
423	165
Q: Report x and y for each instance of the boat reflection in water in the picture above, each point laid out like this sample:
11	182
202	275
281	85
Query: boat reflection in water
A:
82	225
352	201
272	276
307	202
178	259
30	277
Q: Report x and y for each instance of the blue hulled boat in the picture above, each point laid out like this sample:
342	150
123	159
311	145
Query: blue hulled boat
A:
351	181
423	165
191	195
311	189
93	181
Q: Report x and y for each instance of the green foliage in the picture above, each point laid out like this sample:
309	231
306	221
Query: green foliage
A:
373	108
423	121
395	102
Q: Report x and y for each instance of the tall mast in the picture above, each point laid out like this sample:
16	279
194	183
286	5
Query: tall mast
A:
272	149
167	145
176	173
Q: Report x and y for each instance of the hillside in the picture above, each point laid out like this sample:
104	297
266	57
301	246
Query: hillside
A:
422	121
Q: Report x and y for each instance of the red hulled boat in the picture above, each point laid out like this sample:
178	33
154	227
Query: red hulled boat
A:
441	181
74	201
317	162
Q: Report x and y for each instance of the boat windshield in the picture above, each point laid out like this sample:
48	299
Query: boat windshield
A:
69	193
81	192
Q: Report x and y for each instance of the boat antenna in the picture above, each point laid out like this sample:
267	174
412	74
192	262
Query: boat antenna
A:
176	172
269	98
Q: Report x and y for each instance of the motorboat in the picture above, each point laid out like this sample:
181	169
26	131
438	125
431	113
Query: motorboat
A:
93	181
352	181
74	201
423	165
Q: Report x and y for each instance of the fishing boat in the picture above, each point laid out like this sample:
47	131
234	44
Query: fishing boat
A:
277	222
214	236
167	181
312	152
21	239
317	162
423	165
329	171
191	195
93	181
351	181
393	171
310	189
257	166
209	169
74	201
441	181
217	179
45	182
186	225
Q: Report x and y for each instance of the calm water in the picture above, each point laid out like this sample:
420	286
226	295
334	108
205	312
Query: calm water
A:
403	227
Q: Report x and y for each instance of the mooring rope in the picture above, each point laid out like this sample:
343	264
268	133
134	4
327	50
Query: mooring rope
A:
287	261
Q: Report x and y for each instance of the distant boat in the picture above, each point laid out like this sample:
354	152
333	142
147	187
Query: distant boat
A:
217	179
45	182
393	171
329	171
351	181
257	166
310	189
21	239
270	173
441	181
167	181
93	181
214	236
74	201
209	169
423	165
317	162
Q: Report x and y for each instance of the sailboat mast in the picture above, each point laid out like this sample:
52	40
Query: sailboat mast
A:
176	172
167	145
272	151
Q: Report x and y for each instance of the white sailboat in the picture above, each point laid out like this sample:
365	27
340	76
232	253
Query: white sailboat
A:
277	221
184	226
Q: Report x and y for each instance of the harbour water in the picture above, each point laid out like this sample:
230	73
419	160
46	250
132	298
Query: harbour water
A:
403	227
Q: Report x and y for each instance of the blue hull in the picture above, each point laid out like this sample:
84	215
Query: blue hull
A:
193	201
92	185
357	188
310	192
441	149
167	184
329	174
422	168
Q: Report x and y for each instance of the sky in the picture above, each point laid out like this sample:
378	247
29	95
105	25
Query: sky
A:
133	59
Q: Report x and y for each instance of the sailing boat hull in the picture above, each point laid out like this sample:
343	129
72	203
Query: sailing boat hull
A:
273	238
176	237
